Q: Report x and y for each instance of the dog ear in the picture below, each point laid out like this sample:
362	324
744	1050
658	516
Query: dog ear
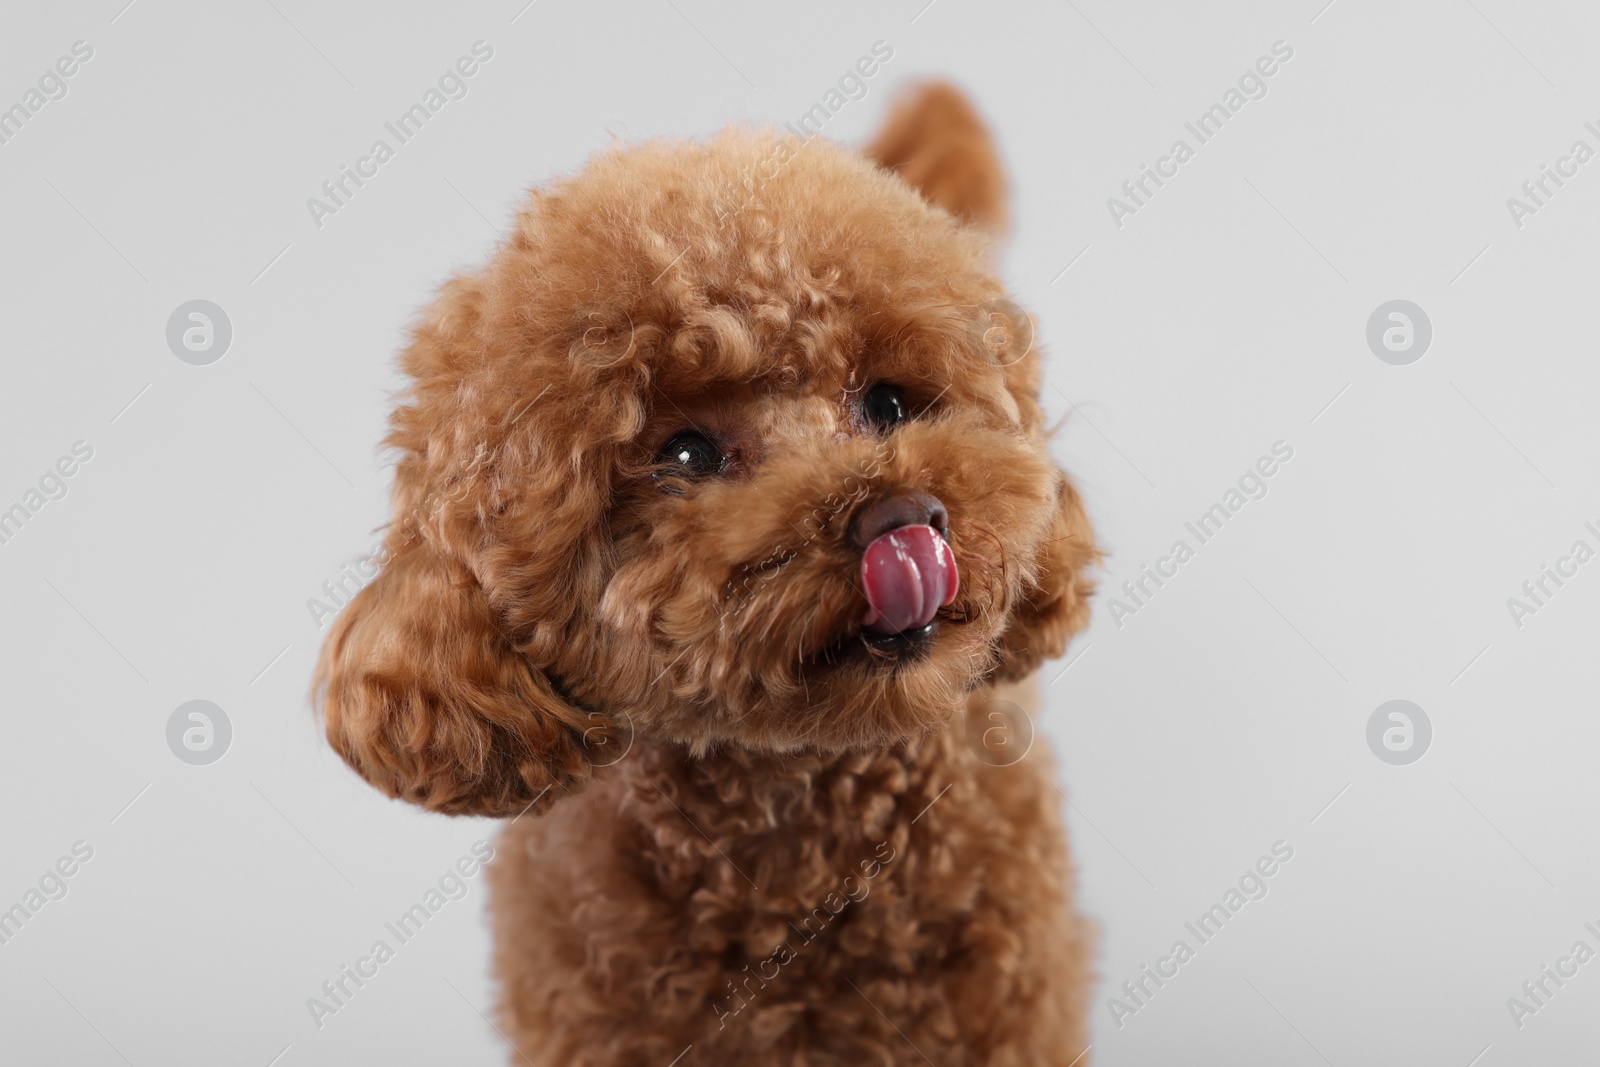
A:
935	140
428	699
431	682
1056	599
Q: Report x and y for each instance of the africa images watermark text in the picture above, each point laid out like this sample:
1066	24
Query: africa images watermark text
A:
339	190
1252	85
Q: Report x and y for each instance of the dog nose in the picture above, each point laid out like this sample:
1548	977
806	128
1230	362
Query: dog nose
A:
885	513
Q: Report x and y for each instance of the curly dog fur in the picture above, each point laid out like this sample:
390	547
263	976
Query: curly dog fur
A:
740	832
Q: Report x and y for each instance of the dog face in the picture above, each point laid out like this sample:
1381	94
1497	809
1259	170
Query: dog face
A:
722	447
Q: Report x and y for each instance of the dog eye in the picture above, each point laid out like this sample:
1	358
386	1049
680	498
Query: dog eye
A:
691	453
884	405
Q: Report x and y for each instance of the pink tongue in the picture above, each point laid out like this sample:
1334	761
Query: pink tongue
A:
909	574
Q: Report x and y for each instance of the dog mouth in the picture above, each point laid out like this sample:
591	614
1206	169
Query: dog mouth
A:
908	576
901	646
862	648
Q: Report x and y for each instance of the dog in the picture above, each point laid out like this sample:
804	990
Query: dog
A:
724	519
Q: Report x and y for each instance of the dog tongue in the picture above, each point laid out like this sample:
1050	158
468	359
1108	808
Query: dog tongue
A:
909	574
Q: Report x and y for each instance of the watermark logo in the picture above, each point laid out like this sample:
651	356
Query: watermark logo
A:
602	336
1399	732
199	332
608	740
1399	332
1003	330
198	732
1000	733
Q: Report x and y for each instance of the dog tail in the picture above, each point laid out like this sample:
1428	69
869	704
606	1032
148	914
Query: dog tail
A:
935	140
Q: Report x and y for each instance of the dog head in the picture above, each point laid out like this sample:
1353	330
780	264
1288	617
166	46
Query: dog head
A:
734	442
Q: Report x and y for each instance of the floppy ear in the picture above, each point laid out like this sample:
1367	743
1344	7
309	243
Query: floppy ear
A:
430	701
424	684
935	140
1056	601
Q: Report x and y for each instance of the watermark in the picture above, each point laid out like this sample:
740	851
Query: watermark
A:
1399	732
1399	332
199	332
352	577
338	191
1537	192
199	732
737	196
999	733
356	574
609	737
52	485
852	890
1537	592
857	484
1536	992
52	85
51	886
1137	593
1003	330
602	336
451	886
1137	993
852	87
1252	85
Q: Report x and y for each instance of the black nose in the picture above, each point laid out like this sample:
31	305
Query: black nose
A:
881	514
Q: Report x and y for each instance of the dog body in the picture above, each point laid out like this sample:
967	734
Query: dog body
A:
724	504
861	908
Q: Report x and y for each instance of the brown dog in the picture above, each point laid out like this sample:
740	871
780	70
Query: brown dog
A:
722	509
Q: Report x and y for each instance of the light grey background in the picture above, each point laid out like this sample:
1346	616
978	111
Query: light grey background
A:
1228	314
